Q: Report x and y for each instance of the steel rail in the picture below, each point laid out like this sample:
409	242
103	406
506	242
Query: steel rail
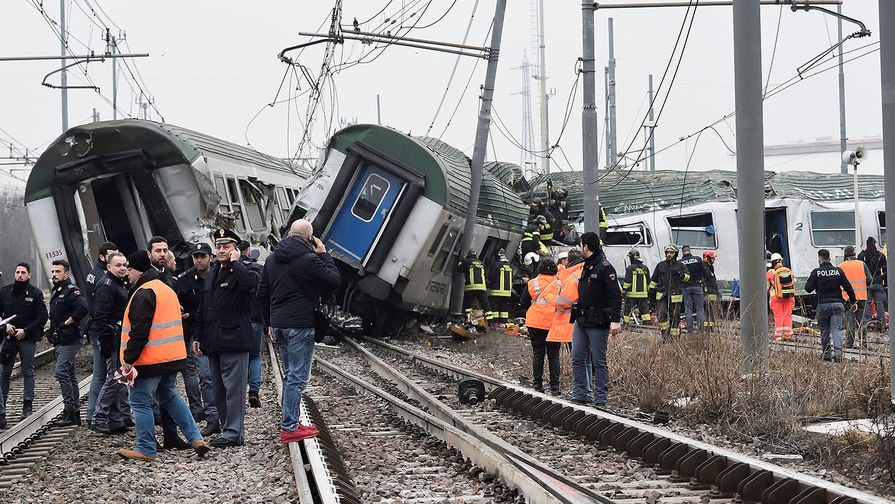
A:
568	490
612	425
515	473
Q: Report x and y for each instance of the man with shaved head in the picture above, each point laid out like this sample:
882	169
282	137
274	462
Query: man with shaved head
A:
292	283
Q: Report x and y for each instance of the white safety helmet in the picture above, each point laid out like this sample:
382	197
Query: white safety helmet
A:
561	256
776	257
531	257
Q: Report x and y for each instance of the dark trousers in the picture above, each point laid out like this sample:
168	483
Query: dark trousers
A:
539	347
853	324
669	316
712	311
500	306
482	297
642	305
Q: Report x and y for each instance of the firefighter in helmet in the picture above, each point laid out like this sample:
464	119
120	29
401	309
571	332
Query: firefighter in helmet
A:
636	288
667	284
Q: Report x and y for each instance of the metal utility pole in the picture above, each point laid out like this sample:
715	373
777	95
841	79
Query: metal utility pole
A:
606	113
887	74
481	145
112	49
64	77
95	115
526	159
842	136
652	132
750	182
613	133
542	88
378	111
589	121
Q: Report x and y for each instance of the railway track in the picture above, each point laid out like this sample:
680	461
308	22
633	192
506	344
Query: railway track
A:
603	457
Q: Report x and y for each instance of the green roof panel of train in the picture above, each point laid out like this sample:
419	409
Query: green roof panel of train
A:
635	192
446	170
165	144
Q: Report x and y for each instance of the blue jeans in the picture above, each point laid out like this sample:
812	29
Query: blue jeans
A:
205	386
99	376
694	303
26	356
65	375
877	294
595	341
255	357
165	389
829	320
297	351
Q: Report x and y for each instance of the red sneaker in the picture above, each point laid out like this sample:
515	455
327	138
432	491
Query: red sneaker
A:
307	428
296	435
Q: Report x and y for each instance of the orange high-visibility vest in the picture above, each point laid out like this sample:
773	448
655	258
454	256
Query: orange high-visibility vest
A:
854	271
562	302
166	333
540	313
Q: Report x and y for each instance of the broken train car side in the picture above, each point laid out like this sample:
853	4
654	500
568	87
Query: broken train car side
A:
125	181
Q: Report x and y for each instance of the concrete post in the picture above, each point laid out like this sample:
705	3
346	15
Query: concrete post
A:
589	121
887	74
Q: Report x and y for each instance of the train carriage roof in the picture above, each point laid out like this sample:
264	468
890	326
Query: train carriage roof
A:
447	173
636	192
166	144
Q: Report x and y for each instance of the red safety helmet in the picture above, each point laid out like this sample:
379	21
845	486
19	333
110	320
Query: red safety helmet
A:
709	254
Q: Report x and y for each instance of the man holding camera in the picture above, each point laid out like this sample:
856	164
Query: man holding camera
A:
597	315
67	307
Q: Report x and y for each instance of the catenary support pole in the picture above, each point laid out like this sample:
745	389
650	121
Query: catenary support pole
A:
63	78
887	74
114	80
378	111
478	151
750	182
606	114
613	133
652	133
542	89
589	121
842	137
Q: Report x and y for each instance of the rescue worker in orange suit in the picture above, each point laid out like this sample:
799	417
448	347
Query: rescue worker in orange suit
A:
539	319
712	293
667	288
859	276
562	300
475	288
500	278
636	289
782	293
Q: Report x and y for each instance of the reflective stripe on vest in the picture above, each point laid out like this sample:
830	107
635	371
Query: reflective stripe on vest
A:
540	313
165	343
854	271
475	277
504	282
639	288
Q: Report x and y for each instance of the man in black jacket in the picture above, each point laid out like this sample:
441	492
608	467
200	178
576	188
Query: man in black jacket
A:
829	281
224	333
597	315
249	257
111	411
21	334
294	278
876	291
68	306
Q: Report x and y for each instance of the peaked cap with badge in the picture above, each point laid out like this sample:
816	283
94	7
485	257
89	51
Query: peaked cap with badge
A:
224	235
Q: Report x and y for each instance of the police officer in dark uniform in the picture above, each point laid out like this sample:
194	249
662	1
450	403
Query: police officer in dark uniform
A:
224	333
829	281
98	272
20	335
249	257
693	290
596	315
189	289
94	278
68	306
111	412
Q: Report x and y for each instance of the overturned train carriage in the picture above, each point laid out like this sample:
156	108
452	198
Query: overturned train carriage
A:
125	181
392	208
804	212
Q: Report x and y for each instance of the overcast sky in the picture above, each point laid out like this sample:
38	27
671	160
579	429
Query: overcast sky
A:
213	66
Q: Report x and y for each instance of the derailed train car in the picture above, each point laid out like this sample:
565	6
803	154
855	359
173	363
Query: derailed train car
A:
392	207
125	181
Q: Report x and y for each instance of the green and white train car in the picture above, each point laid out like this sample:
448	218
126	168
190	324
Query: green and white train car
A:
125	181
392	208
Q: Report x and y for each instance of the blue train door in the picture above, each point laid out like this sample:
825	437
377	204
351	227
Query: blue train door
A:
364	211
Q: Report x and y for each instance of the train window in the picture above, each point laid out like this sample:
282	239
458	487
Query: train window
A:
697	230
631	234
446	247
252	199
219	186
881	220
235	205
371	195
829	228
437	241
455	255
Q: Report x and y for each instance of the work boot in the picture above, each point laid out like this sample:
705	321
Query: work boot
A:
175	443
100	427
201	447
211	428
129	422
134	454
2	421
26	409
254	400
69	418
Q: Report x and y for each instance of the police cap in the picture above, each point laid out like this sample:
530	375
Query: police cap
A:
224	235
201	248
